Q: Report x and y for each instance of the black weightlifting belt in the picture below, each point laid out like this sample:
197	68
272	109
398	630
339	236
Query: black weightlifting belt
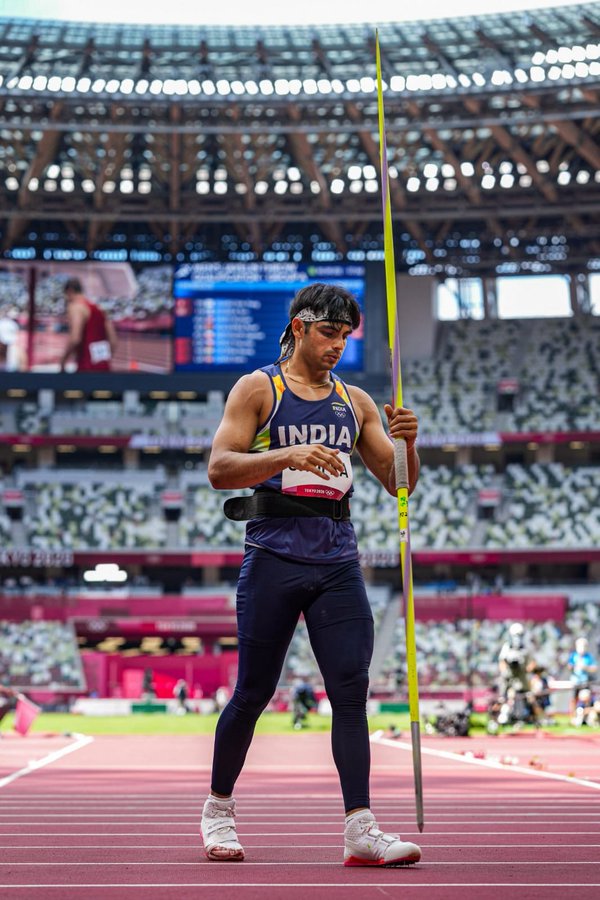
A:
278	505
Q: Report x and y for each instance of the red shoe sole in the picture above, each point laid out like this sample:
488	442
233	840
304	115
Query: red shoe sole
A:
405	861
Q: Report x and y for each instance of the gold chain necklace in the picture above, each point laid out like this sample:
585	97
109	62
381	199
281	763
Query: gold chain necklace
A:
321	384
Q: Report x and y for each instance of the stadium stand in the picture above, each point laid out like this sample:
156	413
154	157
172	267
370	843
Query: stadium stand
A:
40	655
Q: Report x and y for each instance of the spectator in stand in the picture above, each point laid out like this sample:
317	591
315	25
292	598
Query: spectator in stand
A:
181	693
92	336
583	667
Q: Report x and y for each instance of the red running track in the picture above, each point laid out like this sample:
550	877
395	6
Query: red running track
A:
118	818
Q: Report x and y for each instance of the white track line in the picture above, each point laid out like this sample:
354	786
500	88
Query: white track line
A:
487	763
81	740
306	884
292	834
165	864
265	846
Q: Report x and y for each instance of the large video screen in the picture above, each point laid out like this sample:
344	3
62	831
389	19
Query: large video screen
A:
229	316
36	331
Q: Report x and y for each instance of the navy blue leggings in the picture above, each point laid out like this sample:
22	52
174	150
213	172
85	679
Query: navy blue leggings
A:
272	593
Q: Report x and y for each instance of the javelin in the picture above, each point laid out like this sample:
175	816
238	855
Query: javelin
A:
400	455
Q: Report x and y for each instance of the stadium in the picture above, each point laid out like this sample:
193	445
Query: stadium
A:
188	180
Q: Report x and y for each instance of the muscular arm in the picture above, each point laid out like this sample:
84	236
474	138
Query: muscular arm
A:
76	319
232	466
111	334
376	449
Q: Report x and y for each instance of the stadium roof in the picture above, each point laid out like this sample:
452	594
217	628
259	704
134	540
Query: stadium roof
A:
229	139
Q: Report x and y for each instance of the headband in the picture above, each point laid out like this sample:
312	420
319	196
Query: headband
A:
286	341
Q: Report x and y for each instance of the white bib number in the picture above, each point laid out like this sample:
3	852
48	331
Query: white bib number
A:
306	484
99	351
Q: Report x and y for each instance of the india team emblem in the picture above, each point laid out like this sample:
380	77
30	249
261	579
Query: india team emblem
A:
339	409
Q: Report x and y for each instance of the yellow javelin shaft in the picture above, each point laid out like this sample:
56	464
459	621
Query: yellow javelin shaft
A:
400	453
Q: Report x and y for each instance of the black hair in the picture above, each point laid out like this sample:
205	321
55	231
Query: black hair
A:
323	299
74	285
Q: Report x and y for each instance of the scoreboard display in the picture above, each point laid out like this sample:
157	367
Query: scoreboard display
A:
229	316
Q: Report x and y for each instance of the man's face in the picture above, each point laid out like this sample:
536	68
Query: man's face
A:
323	343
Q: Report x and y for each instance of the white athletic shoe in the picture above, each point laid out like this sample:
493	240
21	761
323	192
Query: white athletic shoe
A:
218	830
366	845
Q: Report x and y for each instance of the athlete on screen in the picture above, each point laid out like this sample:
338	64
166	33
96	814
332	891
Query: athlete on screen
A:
289	431
92	337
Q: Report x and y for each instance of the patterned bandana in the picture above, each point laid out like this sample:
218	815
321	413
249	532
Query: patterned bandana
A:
286	341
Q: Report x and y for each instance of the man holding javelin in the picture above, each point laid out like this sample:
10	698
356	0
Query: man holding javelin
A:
288	431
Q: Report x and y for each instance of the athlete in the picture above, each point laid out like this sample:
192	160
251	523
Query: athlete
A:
92	336
289	431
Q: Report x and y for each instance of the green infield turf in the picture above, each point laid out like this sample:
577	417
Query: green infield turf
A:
269	723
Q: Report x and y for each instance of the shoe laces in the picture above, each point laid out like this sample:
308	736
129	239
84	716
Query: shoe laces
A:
370	827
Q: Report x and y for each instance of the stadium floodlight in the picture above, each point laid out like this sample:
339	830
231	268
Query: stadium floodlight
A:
353	85
367	85
237	88
112	85
220	187
223	87
564	177
108	187
582	70
543	166
266	86
413	184
337	186
145	173
337	86
354	173
564	54
144	187
536	73
507	180
296	187
282	87
53	171
432	184
127	85
554	73
181	87
478	79
324	85
294	174
241	188
464	80
208	87
568	71
34	184
438	81
595	68
355	187
67	171
141	87
583	176
430	170
451	81
251	87
295	86
467	169
169	87
592	51
281	187
315	187
98	85
220	174
156	86
67	185
397	83
202	187
49	185
393	172
578	53
525	181
369	172
412	83
12	183
25	83
261	187
88	186
538	58
448	170
12	83
309	85
488	182
54	83
40	82
126	186
450	184
371	186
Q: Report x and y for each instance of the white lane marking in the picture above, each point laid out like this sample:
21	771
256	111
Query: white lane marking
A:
294	834
307	884
81	740
487	763
267	819
318	846
304	863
